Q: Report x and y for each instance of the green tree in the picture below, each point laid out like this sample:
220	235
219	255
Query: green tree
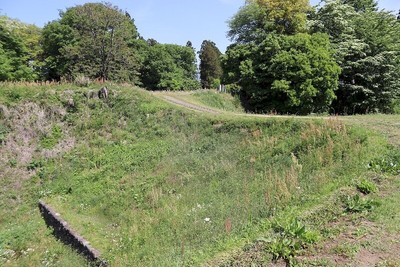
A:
169	67
286	16
249	24
367	49
55	38
362	5
287	74
210	63
19	49
275	63
94	40
257	18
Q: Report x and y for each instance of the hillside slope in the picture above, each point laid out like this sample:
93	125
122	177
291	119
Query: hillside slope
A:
152	184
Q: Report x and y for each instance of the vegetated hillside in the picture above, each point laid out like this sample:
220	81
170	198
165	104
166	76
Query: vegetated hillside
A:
149	184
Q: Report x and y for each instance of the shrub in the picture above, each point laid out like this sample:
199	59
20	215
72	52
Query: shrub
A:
82	81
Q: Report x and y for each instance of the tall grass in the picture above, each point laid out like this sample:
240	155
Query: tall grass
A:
151	185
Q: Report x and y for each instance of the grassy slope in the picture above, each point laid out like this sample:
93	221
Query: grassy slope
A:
368	238
139	178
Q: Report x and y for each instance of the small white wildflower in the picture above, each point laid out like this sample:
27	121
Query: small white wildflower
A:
207	220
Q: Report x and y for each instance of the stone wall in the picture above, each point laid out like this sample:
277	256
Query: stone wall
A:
64	233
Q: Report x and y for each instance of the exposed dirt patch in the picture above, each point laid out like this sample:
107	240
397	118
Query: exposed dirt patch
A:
27	123
188	105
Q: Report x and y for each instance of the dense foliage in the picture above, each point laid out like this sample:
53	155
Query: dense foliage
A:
91	40
169	67
295	74
19	47
277	66
283	63
367	49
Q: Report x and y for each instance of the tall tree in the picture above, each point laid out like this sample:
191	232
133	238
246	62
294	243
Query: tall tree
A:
210	64
367	49
257	18
94	40
276	65
249	24
287	74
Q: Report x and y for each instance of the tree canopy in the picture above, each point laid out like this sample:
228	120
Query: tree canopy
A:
367	49
278	66
342	57
94	40
169	67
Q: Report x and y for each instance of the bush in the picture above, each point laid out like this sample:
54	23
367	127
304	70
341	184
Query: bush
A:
82	81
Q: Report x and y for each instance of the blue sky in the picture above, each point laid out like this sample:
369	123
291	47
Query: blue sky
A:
167	21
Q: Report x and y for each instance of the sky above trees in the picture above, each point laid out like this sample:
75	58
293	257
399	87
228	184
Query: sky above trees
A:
172	21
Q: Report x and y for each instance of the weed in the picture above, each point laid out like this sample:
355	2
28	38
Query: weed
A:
289	238
82	81
3	133
366	187
389	164
13	163
51	139
34	164
346	249
356	204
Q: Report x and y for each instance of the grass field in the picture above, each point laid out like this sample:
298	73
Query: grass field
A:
152	184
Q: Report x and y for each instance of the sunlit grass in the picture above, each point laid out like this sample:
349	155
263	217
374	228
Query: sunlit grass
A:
151	185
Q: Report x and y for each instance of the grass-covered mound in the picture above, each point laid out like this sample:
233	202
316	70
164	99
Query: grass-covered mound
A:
149	184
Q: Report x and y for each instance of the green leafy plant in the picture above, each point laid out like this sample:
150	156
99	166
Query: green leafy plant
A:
366	187
356	204
290	237
35	164
51	139
390	165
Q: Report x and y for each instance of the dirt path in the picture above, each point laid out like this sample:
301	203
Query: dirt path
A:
186	104
174	99
388	125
